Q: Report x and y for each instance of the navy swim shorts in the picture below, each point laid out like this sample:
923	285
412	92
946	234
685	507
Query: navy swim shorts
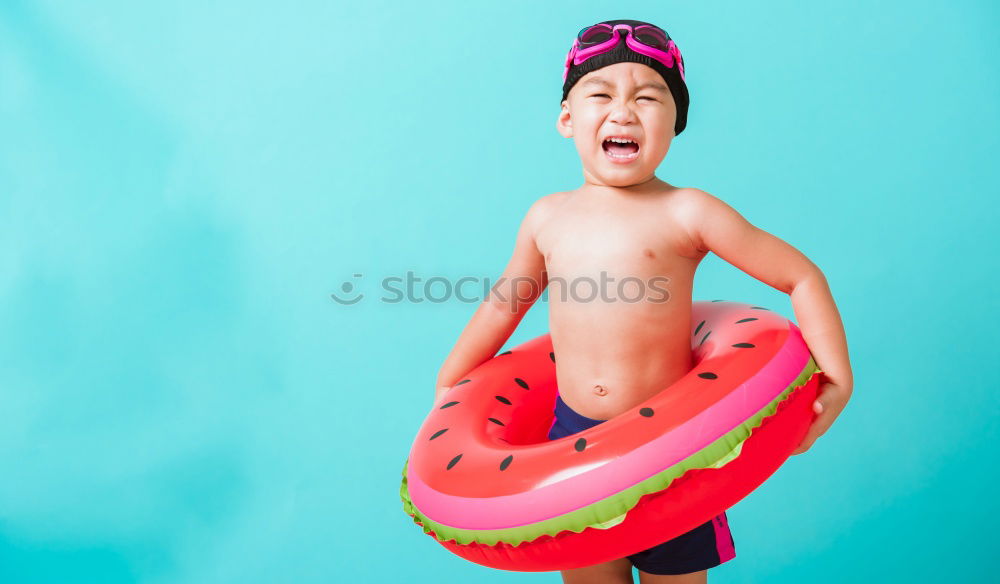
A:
705	546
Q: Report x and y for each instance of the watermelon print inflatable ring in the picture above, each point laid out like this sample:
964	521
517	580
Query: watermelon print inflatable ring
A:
485	482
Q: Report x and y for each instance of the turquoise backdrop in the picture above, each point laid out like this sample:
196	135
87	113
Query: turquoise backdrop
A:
183	185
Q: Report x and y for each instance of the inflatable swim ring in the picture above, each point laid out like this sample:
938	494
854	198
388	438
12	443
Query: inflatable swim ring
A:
483	479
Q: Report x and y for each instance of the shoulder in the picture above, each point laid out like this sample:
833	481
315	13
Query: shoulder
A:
544	208
548	203
701	212
695	206
697	202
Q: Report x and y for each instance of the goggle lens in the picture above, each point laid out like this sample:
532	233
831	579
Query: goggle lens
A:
594	35
651	36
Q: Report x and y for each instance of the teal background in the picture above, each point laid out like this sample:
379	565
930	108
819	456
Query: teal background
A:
183	185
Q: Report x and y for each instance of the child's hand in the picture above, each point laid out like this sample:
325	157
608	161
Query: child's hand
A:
439	394
831	401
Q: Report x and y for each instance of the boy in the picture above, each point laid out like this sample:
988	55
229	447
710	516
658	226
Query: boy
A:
624	99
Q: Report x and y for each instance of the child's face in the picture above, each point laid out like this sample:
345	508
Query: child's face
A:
624	99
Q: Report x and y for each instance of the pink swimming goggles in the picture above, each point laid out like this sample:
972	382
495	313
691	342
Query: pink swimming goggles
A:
644	39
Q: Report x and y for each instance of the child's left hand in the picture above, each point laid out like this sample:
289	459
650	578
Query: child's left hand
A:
830	402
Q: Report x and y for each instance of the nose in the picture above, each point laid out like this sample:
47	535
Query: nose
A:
621	113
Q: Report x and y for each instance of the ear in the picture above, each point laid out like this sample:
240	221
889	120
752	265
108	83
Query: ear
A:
564	123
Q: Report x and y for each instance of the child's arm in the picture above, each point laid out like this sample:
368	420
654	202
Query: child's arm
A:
510	298
718	228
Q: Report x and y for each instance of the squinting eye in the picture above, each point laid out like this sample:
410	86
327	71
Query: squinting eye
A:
606	95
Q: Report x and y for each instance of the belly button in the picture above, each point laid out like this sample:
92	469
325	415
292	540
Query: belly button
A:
600	390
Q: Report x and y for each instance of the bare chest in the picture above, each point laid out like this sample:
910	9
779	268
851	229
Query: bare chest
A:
628	240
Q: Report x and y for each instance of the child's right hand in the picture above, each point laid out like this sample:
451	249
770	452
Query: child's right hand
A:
439	393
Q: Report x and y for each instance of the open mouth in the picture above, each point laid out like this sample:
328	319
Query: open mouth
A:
621	148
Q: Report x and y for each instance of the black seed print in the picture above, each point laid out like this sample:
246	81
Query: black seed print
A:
698	328
746	320
502	399
707	375
580	444
463	381
506	462
504	353
646	412
453	462
438	433
521	382
496	421
758	307
743	345
704	337
553	357
448	405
